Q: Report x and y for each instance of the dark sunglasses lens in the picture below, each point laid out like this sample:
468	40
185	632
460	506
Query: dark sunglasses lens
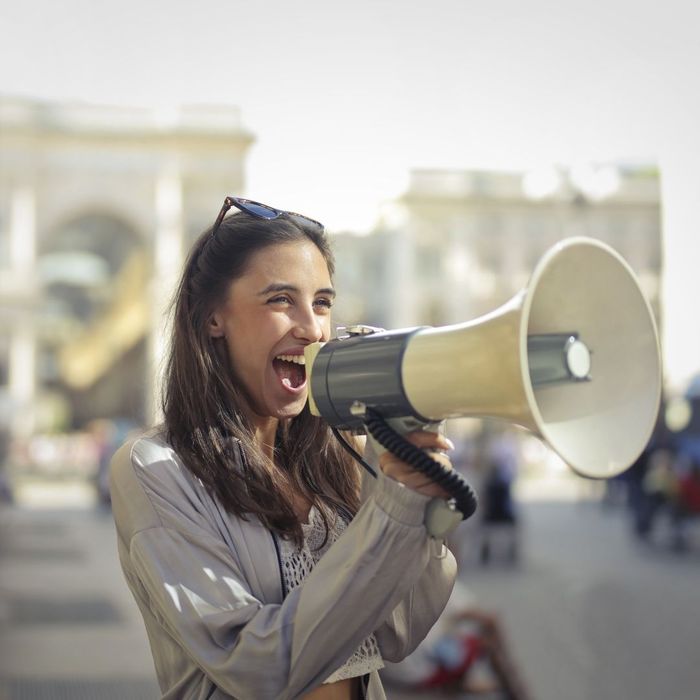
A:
264	212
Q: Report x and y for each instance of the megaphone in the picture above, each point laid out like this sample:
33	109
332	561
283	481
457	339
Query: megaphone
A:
573	357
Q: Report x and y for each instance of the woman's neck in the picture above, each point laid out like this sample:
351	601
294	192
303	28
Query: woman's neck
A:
265	430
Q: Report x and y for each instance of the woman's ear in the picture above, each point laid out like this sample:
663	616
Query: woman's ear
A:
216	327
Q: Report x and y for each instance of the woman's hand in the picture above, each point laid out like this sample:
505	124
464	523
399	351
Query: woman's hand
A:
434	444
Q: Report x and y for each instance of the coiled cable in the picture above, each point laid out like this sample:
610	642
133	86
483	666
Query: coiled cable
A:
453	482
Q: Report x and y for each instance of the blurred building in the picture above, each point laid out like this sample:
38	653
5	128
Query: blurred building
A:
97	205
458	244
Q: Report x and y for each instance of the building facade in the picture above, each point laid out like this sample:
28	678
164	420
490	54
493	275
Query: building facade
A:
97	206
458	244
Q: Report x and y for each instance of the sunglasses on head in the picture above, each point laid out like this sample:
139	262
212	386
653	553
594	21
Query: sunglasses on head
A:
260	211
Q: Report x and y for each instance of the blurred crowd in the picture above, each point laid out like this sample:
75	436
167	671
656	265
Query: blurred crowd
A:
59	456
663	491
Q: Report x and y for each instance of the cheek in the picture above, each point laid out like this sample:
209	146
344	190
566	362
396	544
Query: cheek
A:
255	342
244	350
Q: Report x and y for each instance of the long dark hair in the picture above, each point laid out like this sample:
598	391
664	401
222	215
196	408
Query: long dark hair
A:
206	412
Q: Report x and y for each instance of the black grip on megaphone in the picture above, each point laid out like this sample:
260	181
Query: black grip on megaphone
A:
453	482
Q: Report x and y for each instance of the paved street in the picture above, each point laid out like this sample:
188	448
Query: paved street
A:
590	614
68	626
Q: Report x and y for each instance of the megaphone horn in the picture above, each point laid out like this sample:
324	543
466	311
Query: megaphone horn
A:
573	357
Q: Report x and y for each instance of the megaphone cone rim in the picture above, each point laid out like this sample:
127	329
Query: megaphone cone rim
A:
530	292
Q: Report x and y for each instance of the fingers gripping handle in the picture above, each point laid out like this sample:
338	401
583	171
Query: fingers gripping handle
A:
441	516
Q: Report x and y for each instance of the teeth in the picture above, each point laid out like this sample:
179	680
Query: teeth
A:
299	359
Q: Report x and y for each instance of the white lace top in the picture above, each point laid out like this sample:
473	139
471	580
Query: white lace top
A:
297	564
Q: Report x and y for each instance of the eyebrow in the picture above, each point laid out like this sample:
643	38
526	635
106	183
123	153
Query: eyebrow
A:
285	287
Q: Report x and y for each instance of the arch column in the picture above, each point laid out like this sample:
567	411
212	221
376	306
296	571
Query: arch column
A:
168	246
22	380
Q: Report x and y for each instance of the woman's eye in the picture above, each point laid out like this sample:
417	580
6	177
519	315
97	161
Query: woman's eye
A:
282	299
324	303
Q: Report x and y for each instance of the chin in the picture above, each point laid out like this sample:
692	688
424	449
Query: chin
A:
285	410
291	411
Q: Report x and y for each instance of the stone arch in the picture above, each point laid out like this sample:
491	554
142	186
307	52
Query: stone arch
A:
79	258
114	230
82	263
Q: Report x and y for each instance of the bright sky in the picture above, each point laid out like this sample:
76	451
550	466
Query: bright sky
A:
345	99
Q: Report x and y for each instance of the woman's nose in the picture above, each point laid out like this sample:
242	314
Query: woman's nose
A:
309	326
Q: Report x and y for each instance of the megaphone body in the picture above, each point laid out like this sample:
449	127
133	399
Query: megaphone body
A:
573	357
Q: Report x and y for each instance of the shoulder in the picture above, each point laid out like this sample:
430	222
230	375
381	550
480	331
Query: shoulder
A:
152	487
146	459
150	448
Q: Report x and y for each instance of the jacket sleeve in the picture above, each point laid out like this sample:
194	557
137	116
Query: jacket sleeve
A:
197	591
411	620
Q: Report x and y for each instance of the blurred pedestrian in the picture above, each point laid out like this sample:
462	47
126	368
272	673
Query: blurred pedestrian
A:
108	435
6	494
687	504
659	487
104	434
499	516
7	409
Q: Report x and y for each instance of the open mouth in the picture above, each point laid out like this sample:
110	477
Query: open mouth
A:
291	370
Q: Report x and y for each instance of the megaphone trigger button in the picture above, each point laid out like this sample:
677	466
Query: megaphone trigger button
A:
358	409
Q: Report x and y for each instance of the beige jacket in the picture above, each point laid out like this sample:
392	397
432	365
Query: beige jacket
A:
209	587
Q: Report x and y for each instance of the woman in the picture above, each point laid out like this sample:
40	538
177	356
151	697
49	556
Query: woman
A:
258	570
